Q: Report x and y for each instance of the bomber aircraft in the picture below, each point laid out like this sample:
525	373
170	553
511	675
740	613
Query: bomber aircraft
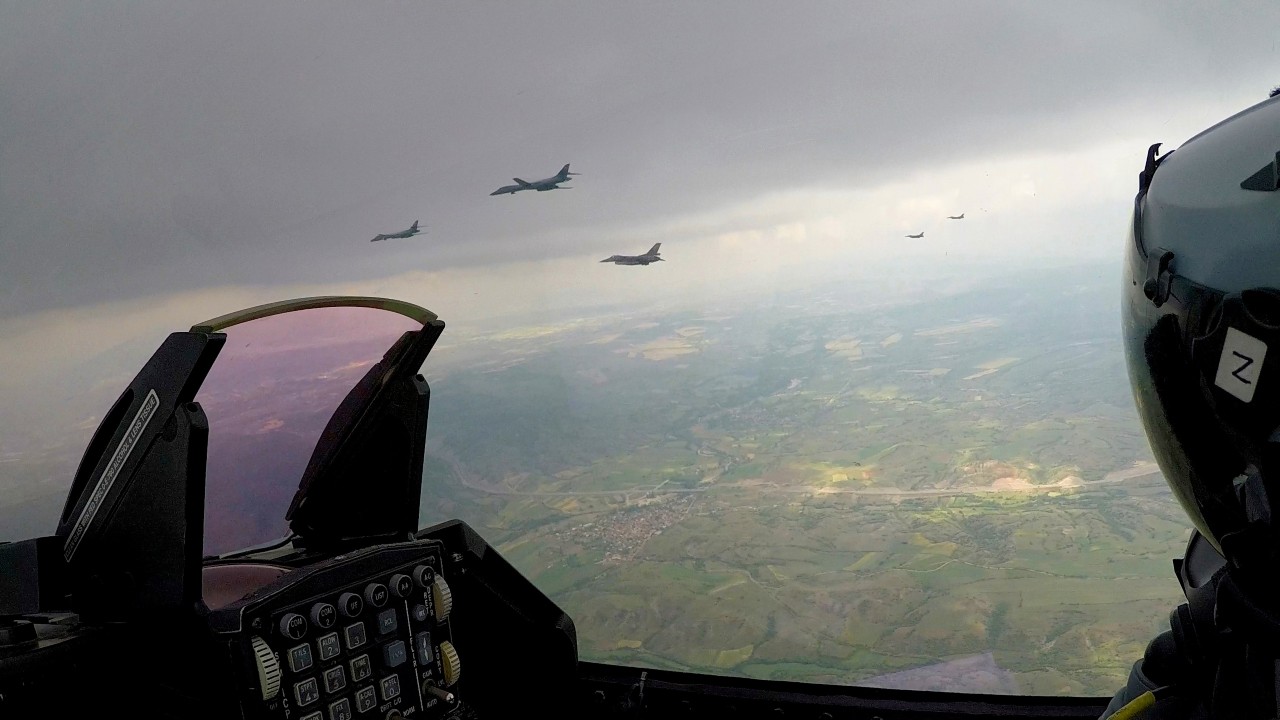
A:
413	230
551	183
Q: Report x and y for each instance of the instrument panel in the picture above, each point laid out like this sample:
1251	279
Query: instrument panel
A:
364	635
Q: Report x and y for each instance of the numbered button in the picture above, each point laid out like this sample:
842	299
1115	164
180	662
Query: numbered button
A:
355	635
390	687
300	657
335	679
340	710
329	647
365	699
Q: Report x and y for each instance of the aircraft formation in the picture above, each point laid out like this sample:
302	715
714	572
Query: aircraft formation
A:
555	183
543	185
920	234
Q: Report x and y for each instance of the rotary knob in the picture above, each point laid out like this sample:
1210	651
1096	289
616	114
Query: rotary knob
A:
350	604
442	597
452	665
293	626
375	594
268	668
423	575
323	615
401	585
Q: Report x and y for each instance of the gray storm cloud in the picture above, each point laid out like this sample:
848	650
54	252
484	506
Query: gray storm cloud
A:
157	147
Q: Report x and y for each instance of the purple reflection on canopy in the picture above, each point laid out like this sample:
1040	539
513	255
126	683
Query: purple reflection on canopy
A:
268	397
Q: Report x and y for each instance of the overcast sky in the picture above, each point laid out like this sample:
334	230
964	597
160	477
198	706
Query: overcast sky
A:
158	147
162	163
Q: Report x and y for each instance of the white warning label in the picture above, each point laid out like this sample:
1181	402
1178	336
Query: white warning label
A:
1240	364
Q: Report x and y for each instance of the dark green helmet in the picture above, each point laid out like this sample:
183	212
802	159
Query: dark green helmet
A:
1201	313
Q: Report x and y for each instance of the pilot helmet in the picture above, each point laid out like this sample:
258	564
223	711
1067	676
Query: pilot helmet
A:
1201	327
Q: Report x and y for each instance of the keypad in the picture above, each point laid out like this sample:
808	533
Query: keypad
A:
347	653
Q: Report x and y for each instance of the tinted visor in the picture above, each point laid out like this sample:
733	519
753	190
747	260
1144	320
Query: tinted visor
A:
268	398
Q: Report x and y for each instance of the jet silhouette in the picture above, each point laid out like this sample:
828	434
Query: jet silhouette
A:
916	236
645	259
551	183
956	217
413	230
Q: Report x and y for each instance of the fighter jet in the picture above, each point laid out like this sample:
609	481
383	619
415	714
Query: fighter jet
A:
413	230
645	259
916	236
956	217
551	183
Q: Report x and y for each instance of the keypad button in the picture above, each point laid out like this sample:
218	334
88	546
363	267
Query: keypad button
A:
394	654
340	710
306	692
390	687
329	646
355	635
388	622
420	613
361	668
335	679
422	643
366	700
300	657
313	716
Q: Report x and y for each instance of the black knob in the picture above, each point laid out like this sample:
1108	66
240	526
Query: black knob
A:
324	615
376	594
424	575
293	626
350	604
401	585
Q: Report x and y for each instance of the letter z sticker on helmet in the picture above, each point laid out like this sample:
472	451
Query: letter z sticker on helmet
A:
1240	364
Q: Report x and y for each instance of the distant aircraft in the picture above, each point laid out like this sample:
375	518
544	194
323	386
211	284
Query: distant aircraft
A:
413	230
645	259
551	183
916	236
956	217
